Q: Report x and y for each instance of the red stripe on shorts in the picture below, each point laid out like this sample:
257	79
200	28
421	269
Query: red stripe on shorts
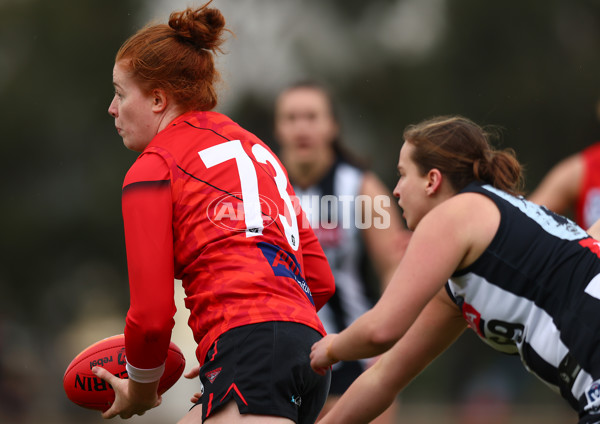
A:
209	407
215	350
237	391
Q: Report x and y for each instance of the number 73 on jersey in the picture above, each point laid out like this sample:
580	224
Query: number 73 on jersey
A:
246	169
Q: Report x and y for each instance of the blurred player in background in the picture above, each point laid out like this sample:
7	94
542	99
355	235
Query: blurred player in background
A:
343	201
574	184
526	280
208	203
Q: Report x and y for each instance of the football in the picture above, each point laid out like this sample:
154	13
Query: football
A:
85	389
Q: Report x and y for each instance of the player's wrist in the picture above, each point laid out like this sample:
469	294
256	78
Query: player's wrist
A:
144	394
140	375
330	354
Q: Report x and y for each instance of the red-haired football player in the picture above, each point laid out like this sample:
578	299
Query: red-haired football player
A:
207	202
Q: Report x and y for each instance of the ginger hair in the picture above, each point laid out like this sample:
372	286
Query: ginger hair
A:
178	57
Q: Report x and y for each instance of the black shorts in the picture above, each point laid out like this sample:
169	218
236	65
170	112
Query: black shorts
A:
266	369
343	375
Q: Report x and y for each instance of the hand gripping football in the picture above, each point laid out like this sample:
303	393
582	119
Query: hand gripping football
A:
85	389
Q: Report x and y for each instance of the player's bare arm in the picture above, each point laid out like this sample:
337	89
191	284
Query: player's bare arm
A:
559	189
466	224
436	328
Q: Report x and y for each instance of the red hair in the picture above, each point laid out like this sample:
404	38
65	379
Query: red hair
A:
179	57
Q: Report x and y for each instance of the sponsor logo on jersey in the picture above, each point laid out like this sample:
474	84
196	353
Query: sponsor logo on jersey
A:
568	370
592	395
227	212
473	318
285	264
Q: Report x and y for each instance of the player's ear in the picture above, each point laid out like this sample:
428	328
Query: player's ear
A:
434	181
159	100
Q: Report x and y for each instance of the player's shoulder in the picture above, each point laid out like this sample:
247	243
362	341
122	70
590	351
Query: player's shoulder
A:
467	214
149	166
209	124
466	204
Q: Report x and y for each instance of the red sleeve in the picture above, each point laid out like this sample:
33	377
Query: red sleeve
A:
316	267
147	220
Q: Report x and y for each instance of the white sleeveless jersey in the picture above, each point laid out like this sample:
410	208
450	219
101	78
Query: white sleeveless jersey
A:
330	206
535	292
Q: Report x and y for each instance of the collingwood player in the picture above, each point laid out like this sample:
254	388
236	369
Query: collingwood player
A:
526	280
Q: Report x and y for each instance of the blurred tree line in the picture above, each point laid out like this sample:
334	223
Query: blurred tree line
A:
531	68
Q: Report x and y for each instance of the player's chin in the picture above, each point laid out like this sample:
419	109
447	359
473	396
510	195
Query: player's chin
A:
409	223
132	145
135	142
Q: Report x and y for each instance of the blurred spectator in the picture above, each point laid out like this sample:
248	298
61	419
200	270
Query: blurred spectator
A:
343	202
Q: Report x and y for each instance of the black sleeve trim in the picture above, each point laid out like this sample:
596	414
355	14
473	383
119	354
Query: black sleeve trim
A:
145	184
447	286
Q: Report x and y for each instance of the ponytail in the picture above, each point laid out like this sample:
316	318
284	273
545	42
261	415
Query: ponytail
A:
501	169
461	150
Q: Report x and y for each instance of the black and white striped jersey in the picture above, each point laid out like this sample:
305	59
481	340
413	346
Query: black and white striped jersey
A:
535	291
331	207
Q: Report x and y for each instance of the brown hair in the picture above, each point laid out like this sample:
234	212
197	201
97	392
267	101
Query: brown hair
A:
461	150
178	57
337	144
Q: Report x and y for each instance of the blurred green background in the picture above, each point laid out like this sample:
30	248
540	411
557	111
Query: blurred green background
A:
529	67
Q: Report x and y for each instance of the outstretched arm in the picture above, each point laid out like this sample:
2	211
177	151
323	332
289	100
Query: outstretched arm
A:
436	328
449	237
560	187
436	248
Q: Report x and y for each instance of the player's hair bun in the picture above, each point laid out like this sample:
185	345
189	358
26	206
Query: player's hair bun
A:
203	27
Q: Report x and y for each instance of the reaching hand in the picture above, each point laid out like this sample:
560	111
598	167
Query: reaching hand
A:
320	360
193	373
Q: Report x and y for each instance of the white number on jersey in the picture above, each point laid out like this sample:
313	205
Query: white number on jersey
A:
233	149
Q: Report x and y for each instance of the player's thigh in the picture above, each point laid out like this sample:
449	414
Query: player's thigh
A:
329	404
194	416
229	414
